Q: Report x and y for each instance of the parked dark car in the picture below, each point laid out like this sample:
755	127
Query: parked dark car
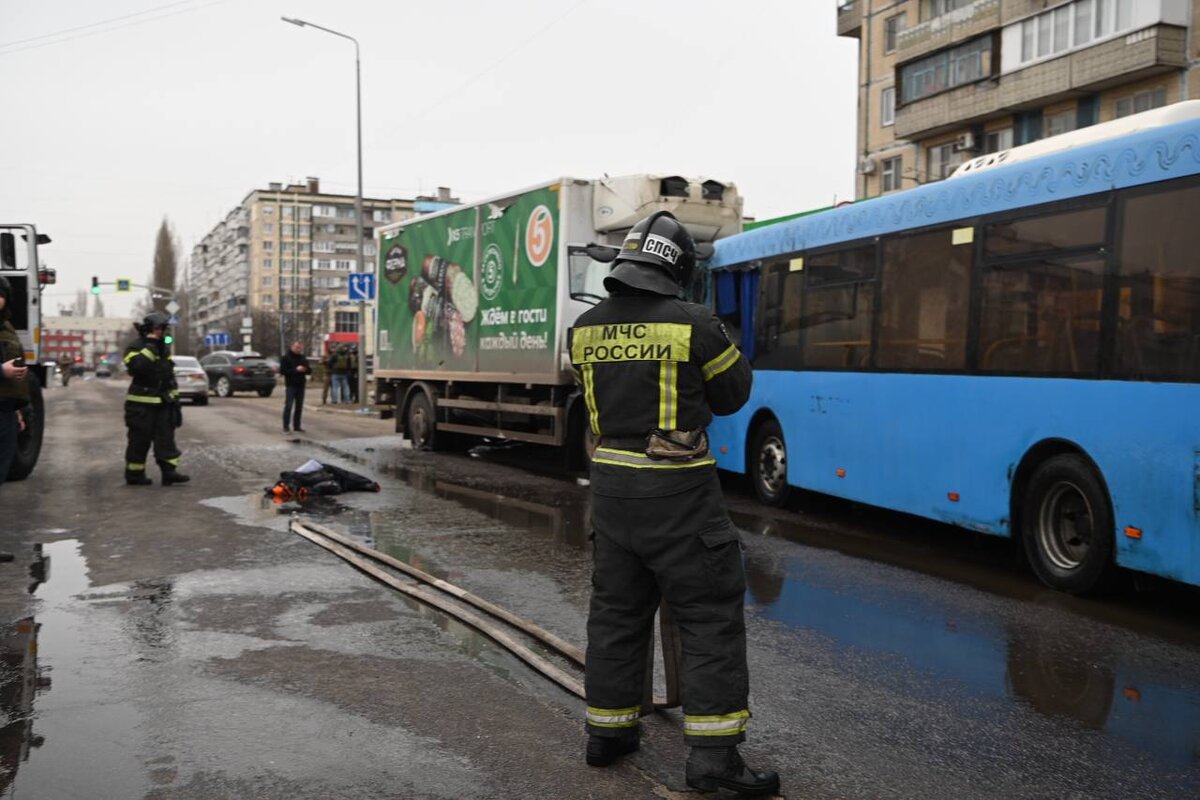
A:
192	379
230	372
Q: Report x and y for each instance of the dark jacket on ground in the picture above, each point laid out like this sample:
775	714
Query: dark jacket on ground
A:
288	365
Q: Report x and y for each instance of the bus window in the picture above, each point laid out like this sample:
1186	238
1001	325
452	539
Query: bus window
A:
777	341
923	302
1042	316
1046	233
838	308
1158	306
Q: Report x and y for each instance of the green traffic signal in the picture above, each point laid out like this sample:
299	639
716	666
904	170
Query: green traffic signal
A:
168	339
95	285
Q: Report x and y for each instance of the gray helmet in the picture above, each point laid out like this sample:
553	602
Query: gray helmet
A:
155	319
656	248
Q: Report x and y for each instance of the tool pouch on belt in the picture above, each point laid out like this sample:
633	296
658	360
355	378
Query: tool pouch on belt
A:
677	445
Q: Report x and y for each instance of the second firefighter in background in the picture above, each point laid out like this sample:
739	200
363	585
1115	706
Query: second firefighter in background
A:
152	411
654	369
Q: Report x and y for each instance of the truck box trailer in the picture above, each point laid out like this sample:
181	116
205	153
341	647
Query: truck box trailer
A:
474	302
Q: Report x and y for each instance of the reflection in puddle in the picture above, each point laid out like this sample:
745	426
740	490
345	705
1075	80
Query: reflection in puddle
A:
564	523
1053	665
21	680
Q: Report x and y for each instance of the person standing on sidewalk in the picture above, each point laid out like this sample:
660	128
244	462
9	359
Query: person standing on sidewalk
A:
339	364
295	369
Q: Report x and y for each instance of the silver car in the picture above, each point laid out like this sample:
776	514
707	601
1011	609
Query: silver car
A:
192	380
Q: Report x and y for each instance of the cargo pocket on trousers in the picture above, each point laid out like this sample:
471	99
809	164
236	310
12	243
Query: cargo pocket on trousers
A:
723	562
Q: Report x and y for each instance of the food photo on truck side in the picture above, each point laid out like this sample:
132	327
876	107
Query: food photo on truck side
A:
474	303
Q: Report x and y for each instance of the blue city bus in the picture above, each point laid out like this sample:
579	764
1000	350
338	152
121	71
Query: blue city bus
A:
1014	350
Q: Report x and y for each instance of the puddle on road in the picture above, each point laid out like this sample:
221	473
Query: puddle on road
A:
1059	666
59	667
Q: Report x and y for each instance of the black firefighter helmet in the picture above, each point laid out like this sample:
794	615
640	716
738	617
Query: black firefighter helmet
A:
155	319
658	256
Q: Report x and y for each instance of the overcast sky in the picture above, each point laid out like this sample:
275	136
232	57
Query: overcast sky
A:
117	114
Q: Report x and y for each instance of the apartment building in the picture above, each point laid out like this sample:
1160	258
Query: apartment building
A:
943	81
281	258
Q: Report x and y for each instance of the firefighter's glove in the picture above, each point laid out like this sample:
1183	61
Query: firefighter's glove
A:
677	445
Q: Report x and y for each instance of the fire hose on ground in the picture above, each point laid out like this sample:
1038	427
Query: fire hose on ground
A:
360	556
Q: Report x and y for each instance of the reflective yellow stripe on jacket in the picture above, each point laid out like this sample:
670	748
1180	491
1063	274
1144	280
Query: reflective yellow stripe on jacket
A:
145	351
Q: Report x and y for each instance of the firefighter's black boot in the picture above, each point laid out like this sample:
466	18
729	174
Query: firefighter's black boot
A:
137	478
713	768
604	750
171	476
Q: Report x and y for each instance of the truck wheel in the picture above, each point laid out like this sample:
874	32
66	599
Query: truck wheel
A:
422	425
29	441
224	389
1067	526
768	464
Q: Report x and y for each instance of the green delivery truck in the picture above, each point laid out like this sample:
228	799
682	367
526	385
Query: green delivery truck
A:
474	303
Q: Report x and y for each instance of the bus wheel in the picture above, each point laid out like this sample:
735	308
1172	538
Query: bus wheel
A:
768	464
422	426
29	441
1067	526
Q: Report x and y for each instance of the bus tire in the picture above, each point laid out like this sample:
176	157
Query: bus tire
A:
1067	525
29	441
421	423
768	464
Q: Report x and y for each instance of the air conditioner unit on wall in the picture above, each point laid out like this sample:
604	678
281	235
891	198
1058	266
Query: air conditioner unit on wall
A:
866	165
965	141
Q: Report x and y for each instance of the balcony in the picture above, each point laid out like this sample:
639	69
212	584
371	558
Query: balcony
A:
957	26
849	18
1123	60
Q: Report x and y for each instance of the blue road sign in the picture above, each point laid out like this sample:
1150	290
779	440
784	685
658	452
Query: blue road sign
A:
173	320
216	339
361	286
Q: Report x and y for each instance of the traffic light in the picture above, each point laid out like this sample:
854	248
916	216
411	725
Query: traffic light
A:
95	285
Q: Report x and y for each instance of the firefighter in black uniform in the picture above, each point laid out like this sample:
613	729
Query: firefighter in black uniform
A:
152	410
654	369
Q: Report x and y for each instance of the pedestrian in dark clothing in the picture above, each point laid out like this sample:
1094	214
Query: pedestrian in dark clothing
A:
295	369
152	410
353	374
339	366
14	385
654	370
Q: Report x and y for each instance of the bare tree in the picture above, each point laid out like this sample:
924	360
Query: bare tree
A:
166	263
97	306
265	338
81	303
183	331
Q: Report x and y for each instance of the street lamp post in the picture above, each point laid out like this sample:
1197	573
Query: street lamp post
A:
358	212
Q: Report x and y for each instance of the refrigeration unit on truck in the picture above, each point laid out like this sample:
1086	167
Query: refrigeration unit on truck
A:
19	264
475	303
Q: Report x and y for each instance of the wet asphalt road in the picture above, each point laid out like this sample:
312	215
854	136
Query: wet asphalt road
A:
188	646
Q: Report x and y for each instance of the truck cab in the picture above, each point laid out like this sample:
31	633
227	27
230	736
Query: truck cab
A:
19	263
